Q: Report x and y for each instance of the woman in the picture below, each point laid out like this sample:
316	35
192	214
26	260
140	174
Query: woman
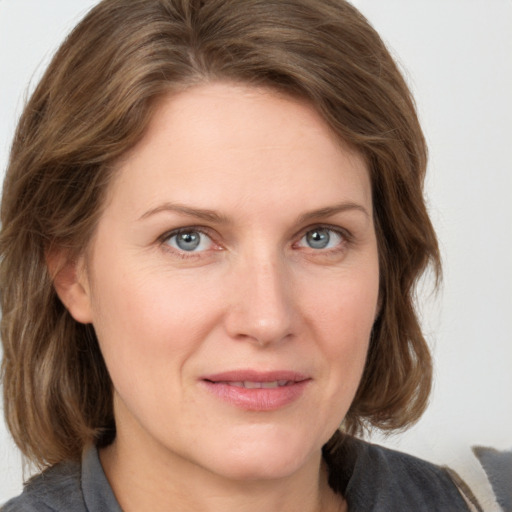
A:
212	225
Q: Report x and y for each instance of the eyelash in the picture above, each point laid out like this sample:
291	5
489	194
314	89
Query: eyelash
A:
346	239
345	236
163	240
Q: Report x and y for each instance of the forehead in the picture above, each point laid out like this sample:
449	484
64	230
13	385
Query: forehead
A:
238	143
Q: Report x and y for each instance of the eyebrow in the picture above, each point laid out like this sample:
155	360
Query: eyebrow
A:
329	211
213	216
199	213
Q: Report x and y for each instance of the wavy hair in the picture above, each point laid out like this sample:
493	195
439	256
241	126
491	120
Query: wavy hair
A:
94	103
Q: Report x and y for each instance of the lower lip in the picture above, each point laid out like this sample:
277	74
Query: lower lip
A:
258	399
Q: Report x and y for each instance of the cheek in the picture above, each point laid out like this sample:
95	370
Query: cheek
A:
346	304
144	319
342	317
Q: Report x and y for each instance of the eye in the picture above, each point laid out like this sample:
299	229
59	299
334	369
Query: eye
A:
190	240
321	238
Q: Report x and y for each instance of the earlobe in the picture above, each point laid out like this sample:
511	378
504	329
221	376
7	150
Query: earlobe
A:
71	284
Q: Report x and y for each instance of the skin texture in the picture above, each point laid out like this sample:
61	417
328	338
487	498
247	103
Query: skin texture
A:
254	294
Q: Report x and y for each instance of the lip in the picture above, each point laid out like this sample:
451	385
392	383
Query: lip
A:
229	387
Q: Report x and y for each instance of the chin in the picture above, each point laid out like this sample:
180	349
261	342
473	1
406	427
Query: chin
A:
264	458
256	469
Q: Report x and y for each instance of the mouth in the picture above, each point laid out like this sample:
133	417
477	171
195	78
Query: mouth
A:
257	391
258	385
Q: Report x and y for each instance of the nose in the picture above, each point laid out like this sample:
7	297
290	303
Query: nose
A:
261	308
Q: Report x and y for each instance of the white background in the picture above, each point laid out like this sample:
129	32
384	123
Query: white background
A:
458	60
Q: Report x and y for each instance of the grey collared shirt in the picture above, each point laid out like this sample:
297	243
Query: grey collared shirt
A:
68	487
372	479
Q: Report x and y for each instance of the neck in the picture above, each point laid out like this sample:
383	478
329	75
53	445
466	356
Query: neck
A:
142	480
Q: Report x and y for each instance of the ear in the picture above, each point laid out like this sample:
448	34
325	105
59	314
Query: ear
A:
71	284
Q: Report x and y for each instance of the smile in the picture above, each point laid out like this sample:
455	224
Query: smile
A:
260	385
257	391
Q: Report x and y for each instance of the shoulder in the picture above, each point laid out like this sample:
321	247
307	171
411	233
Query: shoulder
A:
374	478
55	489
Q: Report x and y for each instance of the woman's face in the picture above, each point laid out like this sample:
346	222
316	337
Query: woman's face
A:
233	283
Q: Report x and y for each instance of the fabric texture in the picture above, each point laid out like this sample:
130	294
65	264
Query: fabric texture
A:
68	487
377	479
372	479
498	466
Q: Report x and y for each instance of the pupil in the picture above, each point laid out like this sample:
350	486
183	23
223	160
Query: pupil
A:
318	239
188	241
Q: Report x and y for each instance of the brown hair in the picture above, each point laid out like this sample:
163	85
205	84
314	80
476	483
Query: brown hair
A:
94	103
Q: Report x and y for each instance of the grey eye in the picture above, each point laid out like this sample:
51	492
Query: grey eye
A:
321	238
318	238
190	241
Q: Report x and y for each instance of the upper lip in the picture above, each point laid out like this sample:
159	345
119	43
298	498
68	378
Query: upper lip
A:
256	376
